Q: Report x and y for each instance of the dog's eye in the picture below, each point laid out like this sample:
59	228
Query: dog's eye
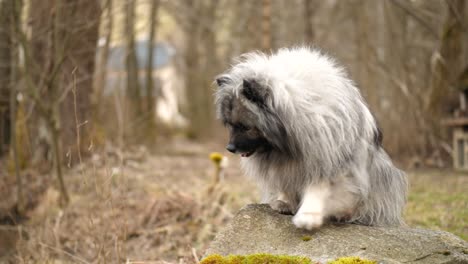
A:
242	127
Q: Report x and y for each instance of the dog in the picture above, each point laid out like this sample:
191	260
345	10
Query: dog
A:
309	140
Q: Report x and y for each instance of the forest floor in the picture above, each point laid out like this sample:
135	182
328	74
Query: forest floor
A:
164	206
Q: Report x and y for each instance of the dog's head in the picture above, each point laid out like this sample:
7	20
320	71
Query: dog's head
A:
245	108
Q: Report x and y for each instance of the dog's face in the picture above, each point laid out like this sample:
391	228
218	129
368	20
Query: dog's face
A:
246	140
245	136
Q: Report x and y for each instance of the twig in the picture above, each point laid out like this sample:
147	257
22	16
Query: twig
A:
194	254
69	87
78	138
56	229
428	255
457	15
64	252
416	17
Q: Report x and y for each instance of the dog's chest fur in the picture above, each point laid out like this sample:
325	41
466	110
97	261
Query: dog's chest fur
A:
276	175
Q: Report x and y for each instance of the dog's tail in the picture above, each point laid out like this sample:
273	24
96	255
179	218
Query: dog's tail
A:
387	195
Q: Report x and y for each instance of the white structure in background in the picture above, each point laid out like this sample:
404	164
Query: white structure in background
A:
167	107
168	89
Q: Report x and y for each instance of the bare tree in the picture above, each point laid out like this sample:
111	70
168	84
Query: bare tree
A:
10	20
447	62
101	63
198	20
5	69
131	62
393	66
150	101
255	39
309	9
150	84
79	30
266	25
59	59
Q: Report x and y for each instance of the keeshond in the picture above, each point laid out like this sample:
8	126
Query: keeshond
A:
308	138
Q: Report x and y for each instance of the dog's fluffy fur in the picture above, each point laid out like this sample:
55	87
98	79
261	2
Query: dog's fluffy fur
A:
319	153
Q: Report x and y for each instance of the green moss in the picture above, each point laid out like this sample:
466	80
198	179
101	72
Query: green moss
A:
306	238
352	260
260	258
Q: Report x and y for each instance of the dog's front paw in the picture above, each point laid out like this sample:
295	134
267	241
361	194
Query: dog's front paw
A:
281	207
308	220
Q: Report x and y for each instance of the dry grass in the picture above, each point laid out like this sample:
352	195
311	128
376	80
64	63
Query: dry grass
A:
141	207
134	207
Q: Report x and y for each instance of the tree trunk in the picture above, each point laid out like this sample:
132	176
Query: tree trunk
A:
308	25
445	69
47	51
37	52
397	82
449	62
6	8
395	52
266	26
55	129
210	63
149	82
59	66
150	100
192	78
9	21
201	61
78	31
255	39
101	64
131	62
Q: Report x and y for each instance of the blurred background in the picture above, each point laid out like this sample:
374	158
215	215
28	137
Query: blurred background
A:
107	117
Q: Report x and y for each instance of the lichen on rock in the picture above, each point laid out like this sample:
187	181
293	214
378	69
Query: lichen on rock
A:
263	258
260	258
352	260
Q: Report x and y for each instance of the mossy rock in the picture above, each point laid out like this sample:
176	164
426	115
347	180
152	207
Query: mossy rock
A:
257	228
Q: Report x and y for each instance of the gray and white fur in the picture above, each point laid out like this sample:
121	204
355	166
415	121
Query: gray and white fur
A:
315	148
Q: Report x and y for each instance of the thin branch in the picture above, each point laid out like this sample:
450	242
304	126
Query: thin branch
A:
69	87
416	17
457	15
64	252
78	125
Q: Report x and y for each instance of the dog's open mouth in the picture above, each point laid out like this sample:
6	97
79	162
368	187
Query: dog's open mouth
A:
247	154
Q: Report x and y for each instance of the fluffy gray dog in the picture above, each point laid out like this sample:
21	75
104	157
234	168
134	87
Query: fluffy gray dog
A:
308	138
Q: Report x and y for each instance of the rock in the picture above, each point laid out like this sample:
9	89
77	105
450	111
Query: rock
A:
259	229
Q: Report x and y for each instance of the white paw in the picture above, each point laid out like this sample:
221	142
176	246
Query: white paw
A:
308	221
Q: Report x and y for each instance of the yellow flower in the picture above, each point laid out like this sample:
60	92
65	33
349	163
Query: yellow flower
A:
216	157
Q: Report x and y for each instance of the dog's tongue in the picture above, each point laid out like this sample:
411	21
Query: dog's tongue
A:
247	154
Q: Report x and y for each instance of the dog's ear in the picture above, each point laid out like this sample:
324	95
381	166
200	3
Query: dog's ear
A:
223	80
254	91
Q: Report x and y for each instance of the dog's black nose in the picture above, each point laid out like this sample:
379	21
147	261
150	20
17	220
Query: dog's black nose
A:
231	148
